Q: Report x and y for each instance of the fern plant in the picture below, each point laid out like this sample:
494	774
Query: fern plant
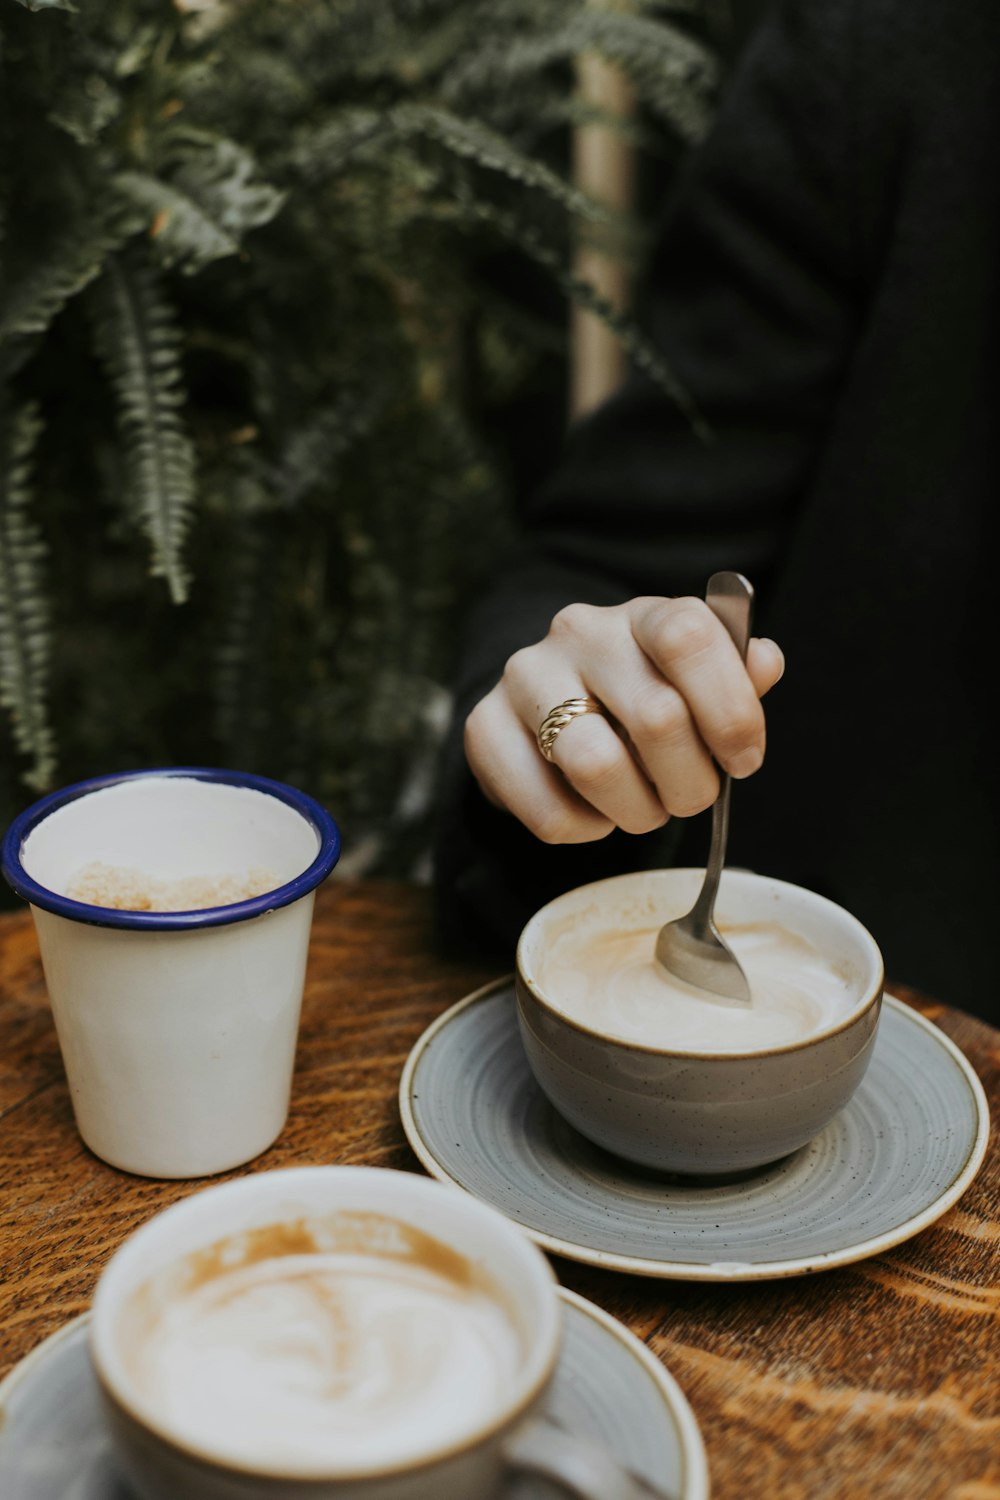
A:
255	362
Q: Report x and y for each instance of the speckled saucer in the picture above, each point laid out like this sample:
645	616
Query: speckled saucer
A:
54	1445
903	1151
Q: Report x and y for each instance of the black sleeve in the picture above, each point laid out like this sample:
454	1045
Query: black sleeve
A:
753	297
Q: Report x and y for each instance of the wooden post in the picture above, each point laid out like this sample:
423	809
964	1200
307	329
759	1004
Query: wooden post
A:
603	166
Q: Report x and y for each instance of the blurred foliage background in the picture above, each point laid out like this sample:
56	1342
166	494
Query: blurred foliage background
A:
283	295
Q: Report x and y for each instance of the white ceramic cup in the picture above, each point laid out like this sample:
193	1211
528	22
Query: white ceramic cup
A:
335	1333
671	1105
177	1029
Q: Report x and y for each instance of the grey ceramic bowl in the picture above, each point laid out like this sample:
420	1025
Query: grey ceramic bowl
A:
686	1111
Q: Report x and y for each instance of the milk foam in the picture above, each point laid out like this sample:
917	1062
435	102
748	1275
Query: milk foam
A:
610	982
349	1359
124	888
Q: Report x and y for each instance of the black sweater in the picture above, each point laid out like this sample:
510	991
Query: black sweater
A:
825	285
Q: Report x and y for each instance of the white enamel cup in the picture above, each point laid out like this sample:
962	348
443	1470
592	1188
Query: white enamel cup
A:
177	1029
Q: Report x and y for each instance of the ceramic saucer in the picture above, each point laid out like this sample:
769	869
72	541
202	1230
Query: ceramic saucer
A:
901	1152
54	1445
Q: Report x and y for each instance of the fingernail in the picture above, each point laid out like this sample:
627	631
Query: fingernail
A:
766	641
745	764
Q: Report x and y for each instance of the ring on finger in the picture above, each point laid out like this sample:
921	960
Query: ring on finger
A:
557	718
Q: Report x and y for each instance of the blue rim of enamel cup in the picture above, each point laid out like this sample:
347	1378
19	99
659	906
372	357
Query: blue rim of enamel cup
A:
171	921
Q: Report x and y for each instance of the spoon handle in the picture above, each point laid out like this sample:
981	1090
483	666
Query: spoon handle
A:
730	597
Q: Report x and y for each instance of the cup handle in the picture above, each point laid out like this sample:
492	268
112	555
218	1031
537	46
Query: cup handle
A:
578	1465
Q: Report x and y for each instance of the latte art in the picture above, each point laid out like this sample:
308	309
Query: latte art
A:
610	982
344	1359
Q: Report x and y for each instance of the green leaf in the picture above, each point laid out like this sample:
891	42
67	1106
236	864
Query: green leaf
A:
643	354
205	201
314	450
321	151
87	105
24	609
246	587
675	75
488	149
32	301
138	342
671	72
184	235
335	142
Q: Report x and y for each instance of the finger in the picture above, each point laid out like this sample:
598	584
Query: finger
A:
667	745
599	765
657	724
694	652
596	761
504	757
765	664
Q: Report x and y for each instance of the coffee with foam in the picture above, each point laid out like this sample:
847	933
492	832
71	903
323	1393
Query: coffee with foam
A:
609	981
125	888
358	1342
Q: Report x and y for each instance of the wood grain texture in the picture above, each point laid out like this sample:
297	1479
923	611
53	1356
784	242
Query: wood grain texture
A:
875	1380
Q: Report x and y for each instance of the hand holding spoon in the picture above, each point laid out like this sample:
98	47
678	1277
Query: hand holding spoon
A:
691	947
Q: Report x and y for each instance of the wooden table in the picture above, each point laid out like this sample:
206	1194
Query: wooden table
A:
878	1379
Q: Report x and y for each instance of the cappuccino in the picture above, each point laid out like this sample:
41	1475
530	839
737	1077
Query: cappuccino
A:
609	981
354	1342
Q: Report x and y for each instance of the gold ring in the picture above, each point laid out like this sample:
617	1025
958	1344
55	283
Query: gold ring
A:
557	718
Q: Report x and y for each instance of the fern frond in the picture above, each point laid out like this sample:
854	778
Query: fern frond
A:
322	150
247	579
138	343
208	199
182	233
642	353
477	143
327	149
30	304
24	611
315	448
672	73
86	106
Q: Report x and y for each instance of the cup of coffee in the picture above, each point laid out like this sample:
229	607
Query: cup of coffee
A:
334	1333
173	910
669	1076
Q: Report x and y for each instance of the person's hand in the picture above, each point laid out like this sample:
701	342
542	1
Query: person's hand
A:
674	702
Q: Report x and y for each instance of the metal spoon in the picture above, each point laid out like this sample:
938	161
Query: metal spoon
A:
691	947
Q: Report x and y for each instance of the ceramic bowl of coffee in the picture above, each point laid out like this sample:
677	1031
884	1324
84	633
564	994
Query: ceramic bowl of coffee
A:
668	1076
334	1333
